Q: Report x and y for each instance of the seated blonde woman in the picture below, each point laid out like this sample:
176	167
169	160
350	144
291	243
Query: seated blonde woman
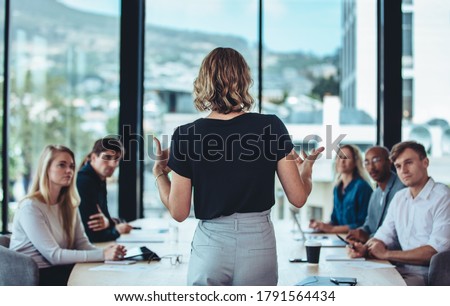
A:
351	193
47	225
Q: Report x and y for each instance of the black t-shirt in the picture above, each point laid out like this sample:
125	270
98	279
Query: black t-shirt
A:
231	163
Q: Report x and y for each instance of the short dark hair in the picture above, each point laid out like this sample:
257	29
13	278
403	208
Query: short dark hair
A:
103	145
384	152
400	147
107	144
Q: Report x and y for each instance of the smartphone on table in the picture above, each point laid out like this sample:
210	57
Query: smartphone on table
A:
346	281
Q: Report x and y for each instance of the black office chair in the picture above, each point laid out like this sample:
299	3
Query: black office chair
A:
439	272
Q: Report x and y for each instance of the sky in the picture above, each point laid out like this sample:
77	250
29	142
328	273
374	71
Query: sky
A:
289	25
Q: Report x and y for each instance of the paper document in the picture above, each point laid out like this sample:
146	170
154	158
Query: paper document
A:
366	264
141	237
309	230
343	258
124	268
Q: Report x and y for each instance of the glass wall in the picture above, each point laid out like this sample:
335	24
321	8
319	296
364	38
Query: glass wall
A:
2	51
64	77
426	94
177	38
320	70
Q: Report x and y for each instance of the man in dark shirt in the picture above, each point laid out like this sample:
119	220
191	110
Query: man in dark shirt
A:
91	183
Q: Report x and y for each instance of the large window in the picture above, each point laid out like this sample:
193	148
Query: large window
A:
306	47
2	52
64	78
178	35
319	70
425	84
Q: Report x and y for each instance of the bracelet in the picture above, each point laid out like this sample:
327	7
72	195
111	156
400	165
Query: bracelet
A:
157	177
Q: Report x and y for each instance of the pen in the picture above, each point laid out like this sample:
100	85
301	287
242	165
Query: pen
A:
350	245
136	227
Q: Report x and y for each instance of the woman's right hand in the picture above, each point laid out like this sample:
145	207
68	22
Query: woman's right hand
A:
114	252
321	227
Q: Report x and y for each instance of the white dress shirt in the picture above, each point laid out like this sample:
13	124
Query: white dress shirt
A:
415	222
38	233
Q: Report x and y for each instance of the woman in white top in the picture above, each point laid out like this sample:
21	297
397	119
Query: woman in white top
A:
47	224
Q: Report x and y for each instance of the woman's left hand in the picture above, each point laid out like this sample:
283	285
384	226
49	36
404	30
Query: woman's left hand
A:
161	159
313	156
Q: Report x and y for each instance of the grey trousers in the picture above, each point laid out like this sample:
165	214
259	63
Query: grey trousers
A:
235	250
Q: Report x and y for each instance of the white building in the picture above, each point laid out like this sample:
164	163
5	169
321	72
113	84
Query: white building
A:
429	70
426	45
359	55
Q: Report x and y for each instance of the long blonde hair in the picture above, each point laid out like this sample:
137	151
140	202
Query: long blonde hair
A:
359	170
68	196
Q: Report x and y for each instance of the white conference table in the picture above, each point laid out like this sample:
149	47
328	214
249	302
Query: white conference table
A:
165	273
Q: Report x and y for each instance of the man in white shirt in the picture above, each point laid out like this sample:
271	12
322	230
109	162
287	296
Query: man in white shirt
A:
418	218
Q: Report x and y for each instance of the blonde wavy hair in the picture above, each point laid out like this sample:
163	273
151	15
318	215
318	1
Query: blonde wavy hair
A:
359	170
68	196
223	83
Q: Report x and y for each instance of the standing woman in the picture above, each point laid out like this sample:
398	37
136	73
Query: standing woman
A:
47	225
229	160
351	193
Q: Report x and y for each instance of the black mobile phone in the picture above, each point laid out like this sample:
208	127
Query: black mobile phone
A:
298	260
344	280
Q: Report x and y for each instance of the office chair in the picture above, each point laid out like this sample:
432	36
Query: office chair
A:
439	272
4	241
16	269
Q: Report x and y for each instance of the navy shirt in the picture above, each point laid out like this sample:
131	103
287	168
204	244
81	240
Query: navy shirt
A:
231	163
92	191
350	206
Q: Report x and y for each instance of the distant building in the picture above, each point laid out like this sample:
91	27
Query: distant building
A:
359	56
425	71
426	45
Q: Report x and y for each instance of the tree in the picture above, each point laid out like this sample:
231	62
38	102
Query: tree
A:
323	86
37	121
